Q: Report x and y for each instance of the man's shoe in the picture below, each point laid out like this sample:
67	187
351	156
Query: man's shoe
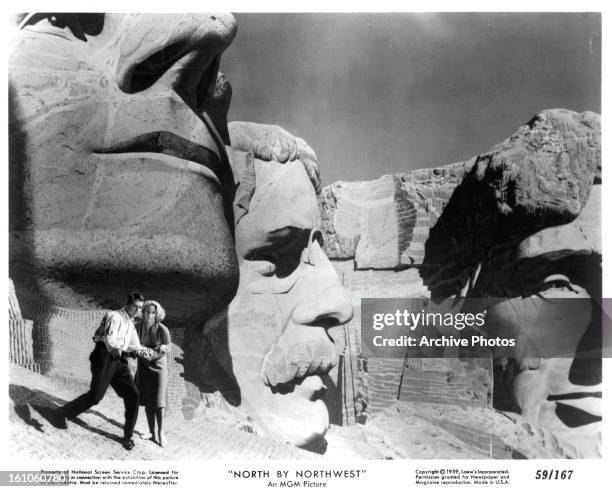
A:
58	419
128	443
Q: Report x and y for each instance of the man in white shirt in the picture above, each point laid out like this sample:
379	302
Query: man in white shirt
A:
115	338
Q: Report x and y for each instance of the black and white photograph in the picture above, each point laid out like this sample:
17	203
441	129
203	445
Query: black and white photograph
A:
331	236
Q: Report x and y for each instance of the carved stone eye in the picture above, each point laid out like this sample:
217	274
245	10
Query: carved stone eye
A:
80	25
264	255
557	282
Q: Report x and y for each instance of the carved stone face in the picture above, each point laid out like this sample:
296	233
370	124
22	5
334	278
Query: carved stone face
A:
550	309
289	296
118	175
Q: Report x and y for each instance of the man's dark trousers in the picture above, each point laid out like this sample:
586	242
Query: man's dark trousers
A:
107	370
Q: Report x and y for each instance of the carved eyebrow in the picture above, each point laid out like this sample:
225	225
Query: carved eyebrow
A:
27	19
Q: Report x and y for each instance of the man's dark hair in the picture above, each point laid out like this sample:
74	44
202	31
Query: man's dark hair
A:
133	297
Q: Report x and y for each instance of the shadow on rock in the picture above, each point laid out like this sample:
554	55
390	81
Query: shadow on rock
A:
47	406
203	373
23	412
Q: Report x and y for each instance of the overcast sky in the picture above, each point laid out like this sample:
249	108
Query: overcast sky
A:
378	93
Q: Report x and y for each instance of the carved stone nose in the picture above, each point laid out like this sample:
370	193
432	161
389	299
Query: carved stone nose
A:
331	308
173	51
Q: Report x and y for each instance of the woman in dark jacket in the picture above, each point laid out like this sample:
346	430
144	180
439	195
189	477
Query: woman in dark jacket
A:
152	372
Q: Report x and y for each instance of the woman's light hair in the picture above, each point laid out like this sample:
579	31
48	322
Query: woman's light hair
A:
159	310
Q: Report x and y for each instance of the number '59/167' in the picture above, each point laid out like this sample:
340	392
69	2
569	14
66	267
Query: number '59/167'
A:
553	474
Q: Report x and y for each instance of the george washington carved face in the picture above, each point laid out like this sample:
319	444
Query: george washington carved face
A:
118	173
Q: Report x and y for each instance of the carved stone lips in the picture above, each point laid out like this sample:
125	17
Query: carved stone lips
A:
574	396
299	352
168	143
312	387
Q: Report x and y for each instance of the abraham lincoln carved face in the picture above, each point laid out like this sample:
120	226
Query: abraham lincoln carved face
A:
118	173
552	308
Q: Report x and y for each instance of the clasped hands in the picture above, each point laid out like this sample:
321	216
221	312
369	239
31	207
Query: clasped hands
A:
148	353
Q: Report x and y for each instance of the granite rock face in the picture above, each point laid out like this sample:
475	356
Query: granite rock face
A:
273	341
384	223
548	290
120	180
519	224
448	217
118	176
273	143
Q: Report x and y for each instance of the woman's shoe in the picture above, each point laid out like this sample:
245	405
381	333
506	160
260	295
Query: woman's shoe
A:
162	439
128	443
